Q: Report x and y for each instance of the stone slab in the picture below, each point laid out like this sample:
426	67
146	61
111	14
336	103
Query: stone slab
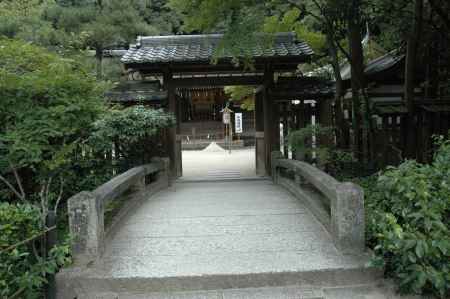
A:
376	290
290	292
220	235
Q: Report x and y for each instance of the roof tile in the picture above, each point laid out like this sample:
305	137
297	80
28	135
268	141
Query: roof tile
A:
190	48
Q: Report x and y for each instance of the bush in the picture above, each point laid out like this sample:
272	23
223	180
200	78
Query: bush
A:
48	105
408	214
133	135
23	267
314	144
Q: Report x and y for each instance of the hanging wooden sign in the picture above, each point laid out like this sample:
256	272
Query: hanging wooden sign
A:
226	118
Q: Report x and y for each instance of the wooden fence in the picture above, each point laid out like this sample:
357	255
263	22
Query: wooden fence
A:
386	134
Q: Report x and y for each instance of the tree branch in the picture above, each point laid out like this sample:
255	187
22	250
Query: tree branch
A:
18	180
61	189
11	187
19	193
341	48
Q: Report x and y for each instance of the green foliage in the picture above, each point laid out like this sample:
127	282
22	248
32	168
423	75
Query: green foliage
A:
130	132
24	19
72	26
20	266
240	19
302	140
47	106
117	22
408	211
160	16
315	144
291	20
243	94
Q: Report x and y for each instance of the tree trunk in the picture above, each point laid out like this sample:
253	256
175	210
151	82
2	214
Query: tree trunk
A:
99	63
357	75
410	70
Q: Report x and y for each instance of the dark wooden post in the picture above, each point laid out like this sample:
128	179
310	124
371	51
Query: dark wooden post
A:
285	114
173	145
260	148
292	122
386	138
276	126
268	117
178	144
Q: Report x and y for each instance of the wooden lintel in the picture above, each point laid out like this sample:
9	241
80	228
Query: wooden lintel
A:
288	96
217	81
207	67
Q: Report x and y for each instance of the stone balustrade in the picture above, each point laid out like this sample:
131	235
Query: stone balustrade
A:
86	209
338	206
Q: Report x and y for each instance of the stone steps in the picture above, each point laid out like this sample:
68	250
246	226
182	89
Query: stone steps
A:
94	282
291	292
376	290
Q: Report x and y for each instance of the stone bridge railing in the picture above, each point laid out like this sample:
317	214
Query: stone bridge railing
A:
86	209
338	206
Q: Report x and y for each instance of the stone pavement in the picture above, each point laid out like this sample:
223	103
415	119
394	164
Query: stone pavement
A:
220	236
221	228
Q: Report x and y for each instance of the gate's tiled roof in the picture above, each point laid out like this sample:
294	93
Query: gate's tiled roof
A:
200	48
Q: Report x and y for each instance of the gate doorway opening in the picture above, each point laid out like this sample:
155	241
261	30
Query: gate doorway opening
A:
210	148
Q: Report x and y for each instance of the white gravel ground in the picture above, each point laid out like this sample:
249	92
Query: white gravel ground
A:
219	164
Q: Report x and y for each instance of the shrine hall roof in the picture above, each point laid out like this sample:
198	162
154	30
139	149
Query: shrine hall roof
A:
201	48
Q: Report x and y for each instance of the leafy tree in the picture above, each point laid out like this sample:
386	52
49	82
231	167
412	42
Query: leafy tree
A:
243	94
160	16
24	19
134	133
47	107
100	24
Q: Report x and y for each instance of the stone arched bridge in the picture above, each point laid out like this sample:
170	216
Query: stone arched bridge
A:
299	234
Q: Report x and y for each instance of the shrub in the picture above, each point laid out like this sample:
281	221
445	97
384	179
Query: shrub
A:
314	143
23	267
132	134
48	105
408	212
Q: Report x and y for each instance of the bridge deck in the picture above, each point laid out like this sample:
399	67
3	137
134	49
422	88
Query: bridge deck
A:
222	228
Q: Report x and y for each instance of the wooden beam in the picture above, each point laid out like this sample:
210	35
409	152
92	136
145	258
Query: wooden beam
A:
288	63
281	96
217	81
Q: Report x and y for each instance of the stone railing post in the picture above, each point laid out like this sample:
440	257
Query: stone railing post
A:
165	173
139	187
86	227
347	218
274	157
299	180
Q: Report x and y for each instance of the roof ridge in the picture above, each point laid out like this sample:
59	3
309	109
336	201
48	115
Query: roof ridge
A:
143	41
